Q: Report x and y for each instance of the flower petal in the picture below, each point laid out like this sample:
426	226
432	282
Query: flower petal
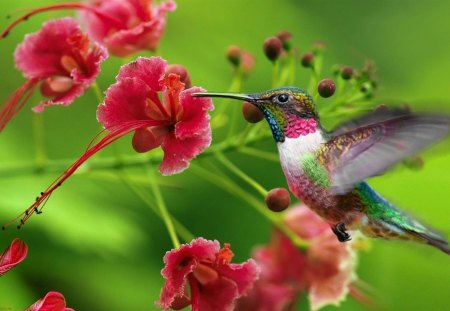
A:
219	295
13	255
330	272
125	101
244	274
268	296
147	139
148	69
178	153
53	301
195	120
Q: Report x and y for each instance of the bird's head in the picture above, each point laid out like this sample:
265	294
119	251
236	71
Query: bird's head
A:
290	111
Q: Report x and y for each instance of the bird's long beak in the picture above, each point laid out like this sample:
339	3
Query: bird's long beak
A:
244	97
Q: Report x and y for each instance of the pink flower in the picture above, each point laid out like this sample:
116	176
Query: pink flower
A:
53	301
13	255
141	25
123	26
325	270
184	129
214	282
177	122
61	59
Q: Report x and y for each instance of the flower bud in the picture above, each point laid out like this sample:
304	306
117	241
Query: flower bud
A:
272	48
182	72
285	37
307	59
346	72
247	62
326	88
251	113
234	55
278	199
382	108
414	163
318	47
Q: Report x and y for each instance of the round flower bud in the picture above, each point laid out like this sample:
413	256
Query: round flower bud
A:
182	72
234	55
278	199
414	163
307	59
346	72
272	48
251	113
326	88
285	37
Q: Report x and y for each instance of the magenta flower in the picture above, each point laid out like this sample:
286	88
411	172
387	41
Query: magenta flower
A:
160	112
141	26
123	26
325	271
53	301
13	255
214	282
61	59
183	129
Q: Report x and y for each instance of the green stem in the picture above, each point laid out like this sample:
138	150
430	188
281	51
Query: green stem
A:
275	69
182	231
97	91
39	140
241	174
163	211
260	154
227	184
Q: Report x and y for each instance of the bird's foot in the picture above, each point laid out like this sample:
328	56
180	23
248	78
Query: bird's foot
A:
341	232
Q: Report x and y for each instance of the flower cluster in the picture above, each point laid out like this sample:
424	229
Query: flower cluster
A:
214	282
325	270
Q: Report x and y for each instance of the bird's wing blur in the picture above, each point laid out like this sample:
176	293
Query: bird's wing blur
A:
370	145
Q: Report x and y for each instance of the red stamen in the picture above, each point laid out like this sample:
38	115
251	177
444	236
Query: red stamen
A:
16	101
109	138
63	6
362	298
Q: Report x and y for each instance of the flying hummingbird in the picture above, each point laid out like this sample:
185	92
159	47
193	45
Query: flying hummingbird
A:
326	170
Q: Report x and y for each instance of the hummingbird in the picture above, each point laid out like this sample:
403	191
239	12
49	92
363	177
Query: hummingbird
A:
327	169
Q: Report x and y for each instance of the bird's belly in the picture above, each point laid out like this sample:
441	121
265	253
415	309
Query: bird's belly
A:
333	208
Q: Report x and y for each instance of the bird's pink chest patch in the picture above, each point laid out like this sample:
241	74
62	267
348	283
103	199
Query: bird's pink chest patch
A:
299	127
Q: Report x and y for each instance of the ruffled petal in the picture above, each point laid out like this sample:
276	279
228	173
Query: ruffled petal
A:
331	271
13	255
195	120
148	69
244	274
125	101
178	153
268	296
53	301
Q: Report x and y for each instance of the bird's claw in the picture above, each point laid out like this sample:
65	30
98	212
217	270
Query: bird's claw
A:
341	232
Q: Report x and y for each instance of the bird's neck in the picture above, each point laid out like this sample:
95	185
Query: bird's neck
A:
293	149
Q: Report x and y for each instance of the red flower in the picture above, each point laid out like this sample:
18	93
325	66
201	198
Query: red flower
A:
177	122
214	282
53	301
183	130
141	26
13	255
60	58
123	26
325	270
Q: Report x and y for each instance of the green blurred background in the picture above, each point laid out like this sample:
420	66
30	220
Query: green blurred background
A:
102	247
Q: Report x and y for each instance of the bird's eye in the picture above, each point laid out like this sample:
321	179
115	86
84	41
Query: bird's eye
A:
282	98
